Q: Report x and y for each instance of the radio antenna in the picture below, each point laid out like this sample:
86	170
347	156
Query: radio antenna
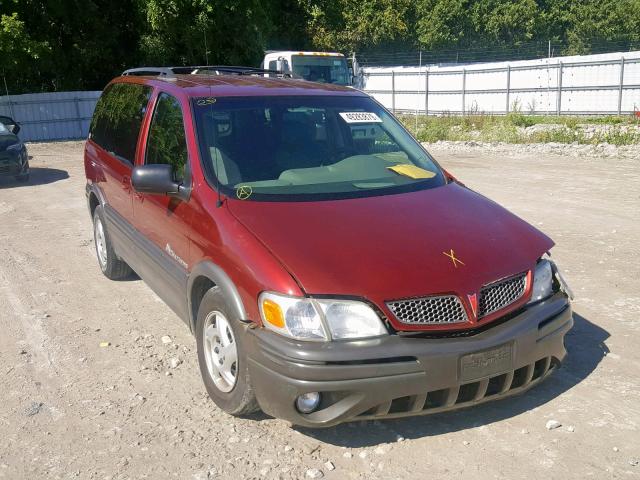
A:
210	102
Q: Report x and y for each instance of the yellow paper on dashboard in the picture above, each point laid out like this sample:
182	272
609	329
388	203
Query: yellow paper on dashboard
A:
412	171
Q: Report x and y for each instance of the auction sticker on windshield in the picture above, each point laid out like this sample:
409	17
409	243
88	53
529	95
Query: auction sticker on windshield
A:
360	117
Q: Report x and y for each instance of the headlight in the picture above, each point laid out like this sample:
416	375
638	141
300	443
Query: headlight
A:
542	281
349	319
16	147
319	319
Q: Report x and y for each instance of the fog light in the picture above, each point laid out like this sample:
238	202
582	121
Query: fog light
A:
308	402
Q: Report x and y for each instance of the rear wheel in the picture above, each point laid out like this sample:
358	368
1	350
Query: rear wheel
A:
112	267
222	356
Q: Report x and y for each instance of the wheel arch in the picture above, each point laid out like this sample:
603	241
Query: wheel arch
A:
93	203
95	197
204	276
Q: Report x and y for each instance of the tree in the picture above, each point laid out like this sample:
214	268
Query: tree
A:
349	25
78	44
17	50
442	23
234	31
505	22
593	22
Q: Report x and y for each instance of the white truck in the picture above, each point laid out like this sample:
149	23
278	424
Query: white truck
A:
324	67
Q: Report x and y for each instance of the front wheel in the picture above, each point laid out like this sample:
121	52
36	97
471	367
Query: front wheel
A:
222	356
24	176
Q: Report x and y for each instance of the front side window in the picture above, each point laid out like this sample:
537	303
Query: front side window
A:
288	148
166	142
117	118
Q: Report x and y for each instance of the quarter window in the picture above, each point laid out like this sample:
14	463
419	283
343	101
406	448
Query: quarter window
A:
116	121
167	143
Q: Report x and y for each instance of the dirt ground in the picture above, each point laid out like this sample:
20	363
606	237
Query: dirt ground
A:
71	408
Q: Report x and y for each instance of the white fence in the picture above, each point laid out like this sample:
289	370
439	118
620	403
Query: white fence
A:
580	85
51	116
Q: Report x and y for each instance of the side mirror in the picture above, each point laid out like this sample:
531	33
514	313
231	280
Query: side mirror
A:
15	128
157	179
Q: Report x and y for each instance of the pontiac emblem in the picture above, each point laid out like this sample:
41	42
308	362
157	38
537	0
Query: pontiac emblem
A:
473	301
454	259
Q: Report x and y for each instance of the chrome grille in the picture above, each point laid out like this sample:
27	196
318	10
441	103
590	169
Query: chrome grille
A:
429	310
501	294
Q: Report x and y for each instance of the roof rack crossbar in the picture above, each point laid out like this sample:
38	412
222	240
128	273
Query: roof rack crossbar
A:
196	69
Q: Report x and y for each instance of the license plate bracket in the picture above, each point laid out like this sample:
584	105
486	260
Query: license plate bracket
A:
486	363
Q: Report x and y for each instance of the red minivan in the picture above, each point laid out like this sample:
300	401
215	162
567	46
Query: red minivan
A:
329	268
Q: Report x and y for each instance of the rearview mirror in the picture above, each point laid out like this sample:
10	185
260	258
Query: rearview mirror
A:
157	179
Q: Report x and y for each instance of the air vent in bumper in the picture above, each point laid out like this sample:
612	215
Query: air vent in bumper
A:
459	396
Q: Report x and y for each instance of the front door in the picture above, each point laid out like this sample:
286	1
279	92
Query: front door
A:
163	220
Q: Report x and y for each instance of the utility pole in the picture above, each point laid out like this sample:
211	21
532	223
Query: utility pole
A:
417	94
6	89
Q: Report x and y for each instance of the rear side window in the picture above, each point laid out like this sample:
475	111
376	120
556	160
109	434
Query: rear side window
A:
166	142
116	121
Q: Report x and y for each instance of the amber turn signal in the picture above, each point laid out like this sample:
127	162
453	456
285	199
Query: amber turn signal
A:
273	313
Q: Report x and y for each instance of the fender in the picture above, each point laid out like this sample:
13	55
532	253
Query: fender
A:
97	191
218	276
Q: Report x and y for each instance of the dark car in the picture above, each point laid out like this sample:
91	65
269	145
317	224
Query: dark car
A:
14	160
328	267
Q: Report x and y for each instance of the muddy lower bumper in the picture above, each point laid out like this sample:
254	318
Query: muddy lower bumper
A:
398	376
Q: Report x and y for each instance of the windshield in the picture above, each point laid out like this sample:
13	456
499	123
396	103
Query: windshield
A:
290	148
316	68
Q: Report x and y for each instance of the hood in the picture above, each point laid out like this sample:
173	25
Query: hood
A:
394	246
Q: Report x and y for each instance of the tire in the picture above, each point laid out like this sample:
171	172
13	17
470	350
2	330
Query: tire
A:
24	176
227	383
112	267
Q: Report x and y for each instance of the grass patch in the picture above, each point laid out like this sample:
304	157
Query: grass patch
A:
512	128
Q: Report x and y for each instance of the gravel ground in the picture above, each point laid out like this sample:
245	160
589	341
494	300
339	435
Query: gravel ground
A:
91	388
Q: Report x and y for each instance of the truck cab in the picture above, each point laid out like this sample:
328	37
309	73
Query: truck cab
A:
322	67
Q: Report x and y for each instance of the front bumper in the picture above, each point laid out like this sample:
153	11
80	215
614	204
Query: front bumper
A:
398	376
13	162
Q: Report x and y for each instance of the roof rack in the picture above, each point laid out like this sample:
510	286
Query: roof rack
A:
201	69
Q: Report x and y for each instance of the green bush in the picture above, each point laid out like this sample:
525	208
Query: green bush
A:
510	128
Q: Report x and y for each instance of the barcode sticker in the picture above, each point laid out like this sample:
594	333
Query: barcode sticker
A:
360	117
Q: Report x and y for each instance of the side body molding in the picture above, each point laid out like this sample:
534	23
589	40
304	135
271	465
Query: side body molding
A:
217	275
